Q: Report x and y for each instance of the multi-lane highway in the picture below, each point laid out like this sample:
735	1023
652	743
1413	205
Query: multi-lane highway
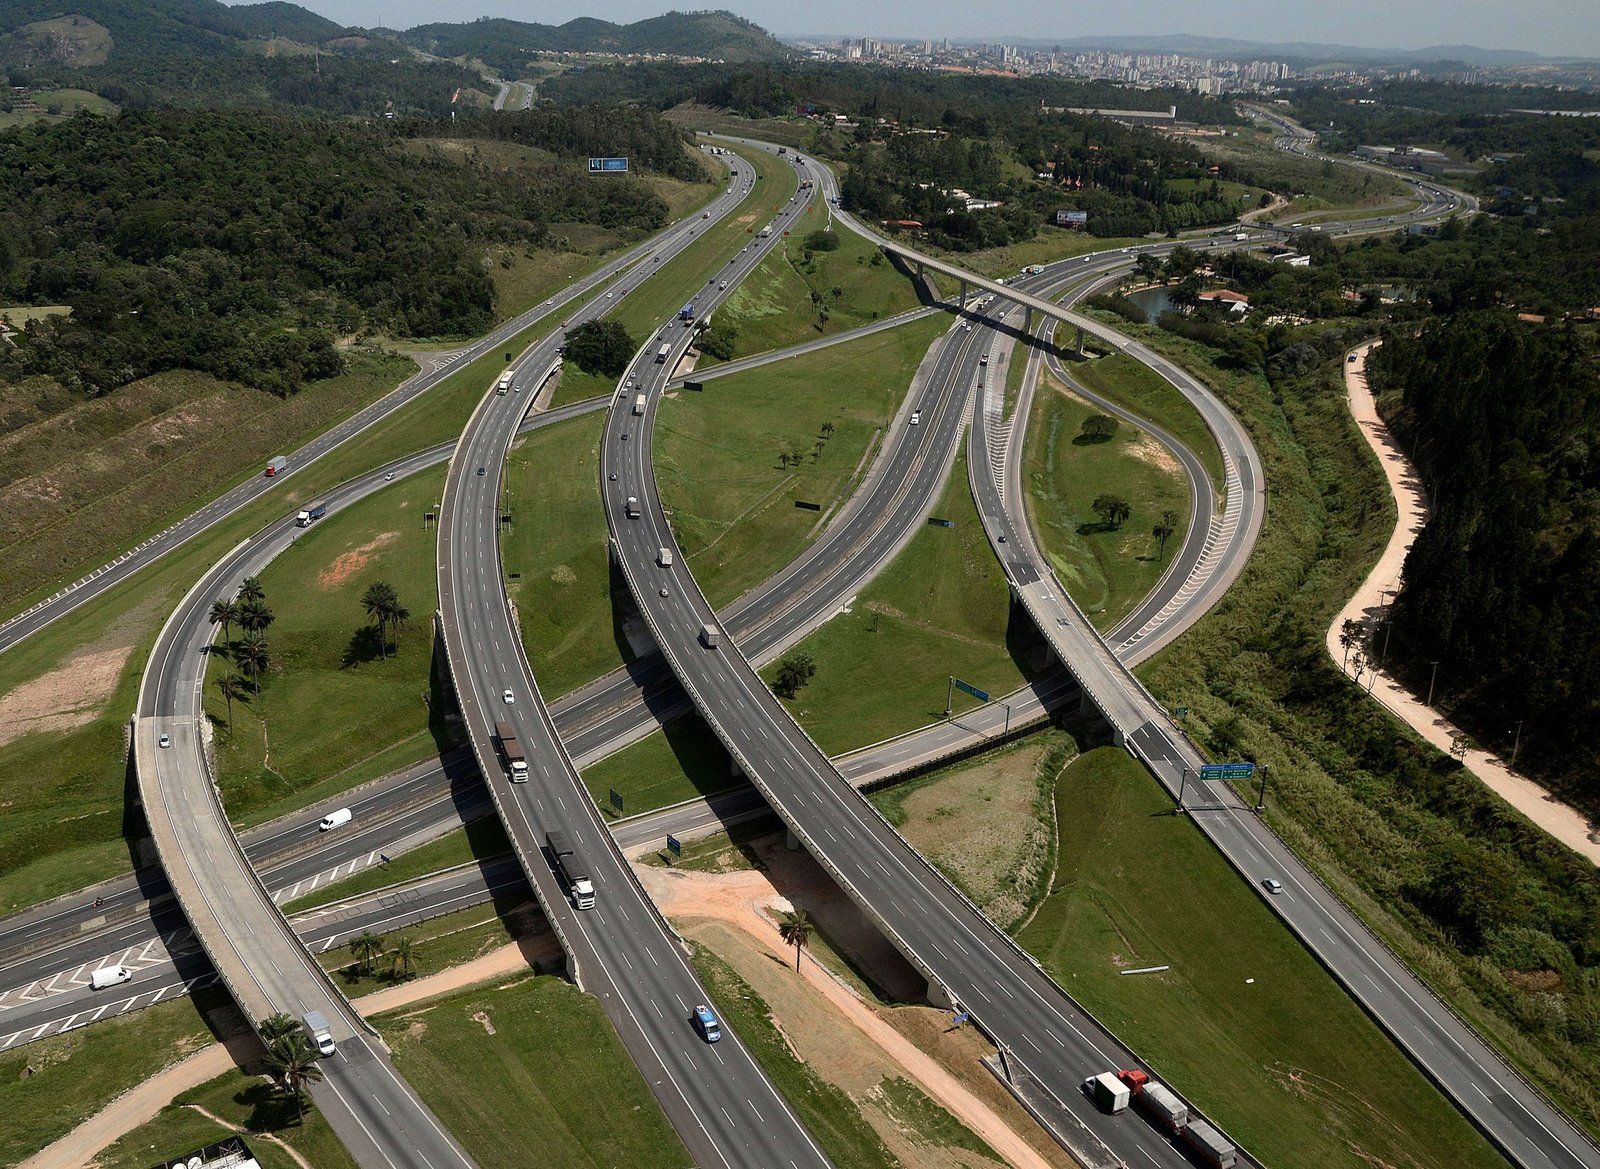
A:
718	1099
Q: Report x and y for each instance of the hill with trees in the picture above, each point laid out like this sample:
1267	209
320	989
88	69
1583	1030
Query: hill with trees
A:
239	245
507	45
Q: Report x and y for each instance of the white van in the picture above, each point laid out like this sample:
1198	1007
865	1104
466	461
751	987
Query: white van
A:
109	976
334	820
664	557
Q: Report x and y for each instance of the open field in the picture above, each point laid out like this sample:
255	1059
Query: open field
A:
558	572
57	105
682	761
773	307
719	453
244	1103
1138	388
329	673
1107	570
74	1075
941	608
1313	185
531	1064
1244	1021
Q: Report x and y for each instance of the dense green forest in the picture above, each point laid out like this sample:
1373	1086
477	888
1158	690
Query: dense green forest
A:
239	245
1503	585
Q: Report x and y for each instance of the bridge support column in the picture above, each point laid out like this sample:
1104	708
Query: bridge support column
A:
963	296
790	840
939	995
1078	347
1027	320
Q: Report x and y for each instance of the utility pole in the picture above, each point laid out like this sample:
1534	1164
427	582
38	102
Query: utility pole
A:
1517	743
1182	783
950	696
1261	797
1432	678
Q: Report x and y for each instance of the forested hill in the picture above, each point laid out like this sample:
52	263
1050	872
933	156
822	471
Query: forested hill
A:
506	45
202	54
1503	586
240	244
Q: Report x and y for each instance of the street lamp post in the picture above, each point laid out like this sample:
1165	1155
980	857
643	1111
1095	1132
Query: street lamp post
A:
1517	742
1432	678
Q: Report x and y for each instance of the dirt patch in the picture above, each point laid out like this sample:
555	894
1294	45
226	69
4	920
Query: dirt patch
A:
1148	450
482	1018
349	563
978	824
67	697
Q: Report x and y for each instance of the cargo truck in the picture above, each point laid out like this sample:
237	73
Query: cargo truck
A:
633	507
312	513
710	636
1156	1101
1209	1146
277	465
317	1028
570	869
1241	236
638	403
662	354
504	384
1107	1091
516	762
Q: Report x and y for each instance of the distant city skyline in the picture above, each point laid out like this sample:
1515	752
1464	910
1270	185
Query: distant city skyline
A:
1555	28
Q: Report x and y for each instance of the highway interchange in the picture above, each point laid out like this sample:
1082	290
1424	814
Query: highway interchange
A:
677	618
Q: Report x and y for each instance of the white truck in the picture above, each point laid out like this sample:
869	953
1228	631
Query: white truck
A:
312	513
638	403
1108	1092
317	1027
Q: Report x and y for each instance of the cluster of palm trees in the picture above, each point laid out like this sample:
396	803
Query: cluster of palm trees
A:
292	1057
250	612
386	611
368	947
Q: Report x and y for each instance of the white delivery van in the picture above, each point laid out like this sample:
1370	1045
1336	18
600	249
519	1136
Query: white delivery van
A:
334	820
109	976
664	557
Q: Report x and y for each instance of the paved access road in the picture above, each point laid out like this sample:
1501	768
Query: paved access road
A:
621	950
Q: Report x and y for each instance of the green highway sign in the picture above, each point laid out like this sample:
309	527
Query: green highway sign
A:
967	688
1227	771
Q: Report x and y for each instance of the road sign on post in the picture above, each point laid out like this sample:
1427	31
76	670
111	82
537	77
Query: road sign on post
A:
1227	771
968	688
608	166
674	845
616	799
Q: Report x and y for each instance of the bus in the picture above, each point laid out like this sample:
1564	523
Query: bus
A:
662	354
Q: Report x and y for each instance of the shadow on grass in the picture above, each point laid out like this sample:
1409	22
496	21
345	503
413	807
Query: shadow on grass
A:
1091	439
270	1109
364	647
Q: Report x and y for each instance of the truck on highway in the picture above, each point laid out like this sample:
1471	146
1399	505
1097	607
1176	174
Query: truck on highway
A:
638	403
277	465
503	386
516	762
1210	1146
662	354
710	636
317	1028
1107	1091
570	868
1241	236
764	232
686	313
1156	1101
632	507
312	513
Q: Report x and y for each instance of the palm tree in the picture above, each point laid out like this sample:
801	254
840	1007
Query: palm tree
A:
231	686
250	589
294	1062
253	656
378	600
224	613
275	1027
1163	532
796	929
366	946
254	616
398	616
404	954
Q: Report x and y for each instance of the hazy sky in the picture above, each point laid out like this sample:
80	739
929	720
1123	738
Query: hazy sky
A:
1553	27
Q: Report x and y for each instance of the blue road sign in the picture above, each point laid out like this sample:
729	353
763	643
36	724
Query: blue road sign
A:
674	846
608	166
1227	770
968	688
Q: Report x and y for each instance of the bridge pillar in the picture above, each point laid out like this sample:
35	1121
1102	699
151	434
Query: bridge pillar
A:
1078	348
791	841
939	995
963	295
1027	320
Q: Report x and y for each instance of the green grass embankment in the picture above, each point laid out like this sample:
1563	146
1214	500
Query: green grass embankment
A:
1108	570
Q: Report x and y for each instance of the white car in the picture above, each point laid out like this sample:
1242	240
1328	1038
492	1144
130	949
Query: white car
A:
507	697
916	417
164	741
